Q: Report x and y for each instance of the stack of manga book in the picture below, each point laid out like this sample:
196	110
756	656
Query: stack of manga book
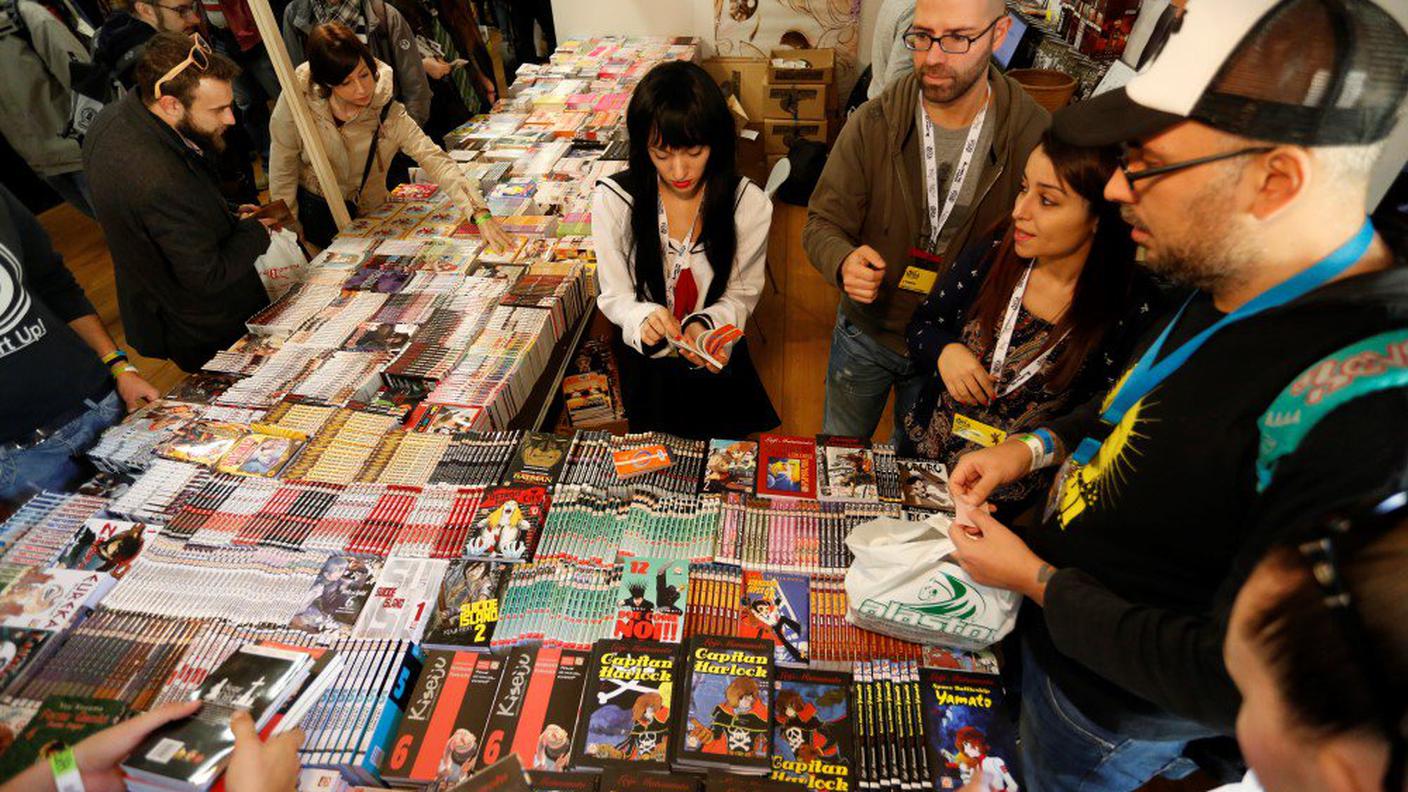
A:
558	603
724	717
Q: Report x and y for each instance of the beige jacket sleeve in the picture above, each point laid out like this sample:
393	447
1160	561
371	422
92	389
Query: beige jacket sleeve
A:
402	129
285	156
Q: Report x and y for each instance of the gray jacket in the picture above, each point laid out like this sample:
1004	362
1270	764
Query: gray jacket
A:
391	41
35	104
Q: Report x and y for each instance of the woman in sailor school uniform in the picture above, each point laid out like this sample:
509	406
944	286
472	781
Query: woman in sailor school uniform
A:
681	241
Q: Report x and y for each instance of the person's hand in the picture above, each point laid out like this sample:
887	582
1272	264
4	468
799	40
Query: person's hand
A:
994	556
246	211
692	331
658	326
135	391
861	274
491	91
964	376
99	755
979	472
435	68
259	766
494	235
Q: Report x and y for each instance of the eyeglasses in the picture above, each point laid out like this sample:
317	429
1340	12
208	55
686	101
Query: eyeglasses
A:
952	43
1133	176
199	58
1323	553
187	10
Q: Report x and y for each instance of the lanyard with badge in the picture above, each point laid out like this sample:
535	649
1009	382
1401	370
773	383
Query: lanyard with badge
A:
681	260
1149	372
977	431
923	272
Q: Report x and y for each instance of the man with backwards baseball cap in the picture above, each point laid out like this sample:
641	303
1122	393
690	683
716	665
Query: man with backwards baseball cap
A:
1275	392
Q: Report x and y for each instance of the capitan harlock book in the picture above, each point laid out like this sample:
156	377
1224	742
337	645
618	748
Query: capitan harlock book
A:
776	607
786	466
442	730
732	466
725	710
190	754
970	740
535	711
812	740
60	720
507	523
652	599
625	716
337	596
537	460
467	607
629	779
847	469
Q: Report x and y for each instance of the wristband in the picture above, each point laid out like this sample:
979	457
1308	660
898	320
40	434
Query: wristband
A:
482	215
1041	458
1047	439
113	357
65	768
125	368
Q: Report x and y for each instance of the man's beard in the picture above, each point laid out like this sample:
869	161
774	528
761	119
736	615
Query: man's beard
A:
1215	253
962	81
212	142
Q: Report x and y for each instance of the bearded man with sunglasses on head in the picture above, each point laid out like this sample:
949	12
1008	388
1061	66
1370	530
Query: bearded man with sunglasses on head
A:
183	256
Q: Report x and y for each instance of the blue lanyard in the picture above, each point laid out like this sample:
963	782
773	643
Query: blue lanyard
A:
1147	374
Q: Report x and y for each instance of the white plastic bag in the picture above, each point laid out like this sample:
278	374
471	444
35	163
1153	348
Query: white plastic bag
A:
283	264
903	584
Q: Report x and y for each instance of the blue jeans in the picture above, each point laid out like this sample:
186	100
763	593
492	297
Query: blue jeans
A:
859	376
54	464
1064	751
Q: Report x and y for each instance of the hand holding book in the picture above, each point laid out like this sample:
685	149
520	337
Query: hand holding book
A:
707	348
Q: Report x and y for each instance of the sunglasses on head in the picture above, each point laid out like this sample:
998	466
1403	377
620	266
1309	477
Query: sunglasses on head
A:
1324	551
199	58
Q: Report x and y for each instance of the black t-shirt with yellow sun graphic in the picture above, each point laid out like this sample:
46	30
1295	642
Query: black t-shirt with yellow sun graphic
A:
1154	536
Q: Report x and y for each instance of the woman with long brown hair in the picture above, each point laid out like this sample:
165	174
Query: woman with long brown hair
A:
1032	322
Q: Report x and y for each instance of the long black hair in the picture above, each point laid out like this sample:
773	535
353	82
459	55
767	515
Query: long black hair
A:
678	105
1106	282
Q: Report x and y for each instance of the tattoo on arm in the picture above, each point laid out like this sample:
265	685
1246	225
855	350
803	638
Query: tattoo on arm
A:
1044	573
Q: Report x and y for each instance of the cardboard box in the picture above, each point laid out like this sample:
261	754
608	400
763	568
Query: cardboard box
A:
820	68
796	100
778	134
743	78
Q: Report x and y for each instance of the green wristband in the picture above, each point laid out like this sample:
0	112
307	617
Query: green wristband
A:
65	768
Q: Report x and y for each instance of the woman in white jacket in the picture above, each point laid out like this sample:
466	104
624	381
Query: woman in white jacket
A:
681	240
361	127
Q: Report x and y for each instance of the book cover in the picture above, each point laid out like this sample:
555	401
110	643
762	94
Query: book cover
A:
970	740
725	718
193	751
632	462
625	715
924	484
786	466
51	599
521	671
20	651
505	775
106	546
732	466
59	720
441	731
260	454
544	738
776	607
812	740
507	523
400	601
848	469
552	781
538	460
653	596
337	596
627	779
467	606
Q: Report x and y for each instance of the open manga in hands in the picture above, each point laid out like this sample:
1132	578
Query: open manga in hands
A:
711	345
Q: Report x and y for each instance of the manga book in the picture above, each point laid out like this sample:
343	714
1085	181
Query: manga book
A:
726	712
847	469
732	466
467	606
776	607
924	485
507	523
652	601
811	737
625	714
786	466
970	739
337	596
107	546
440	734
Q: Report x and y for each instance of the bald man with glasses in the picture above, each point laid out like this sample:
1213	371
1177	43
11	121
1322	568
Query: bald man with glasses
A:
931	163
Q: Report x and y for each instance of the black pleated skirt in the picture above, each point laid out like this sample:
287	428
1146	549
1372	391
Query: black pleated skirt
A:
670	395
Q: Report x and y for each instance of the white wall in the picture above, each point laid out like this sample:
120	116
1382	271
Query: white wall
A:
578	18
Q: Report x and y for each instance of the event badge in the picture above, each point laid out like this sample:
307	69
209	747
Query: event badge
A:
921	276
977	431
